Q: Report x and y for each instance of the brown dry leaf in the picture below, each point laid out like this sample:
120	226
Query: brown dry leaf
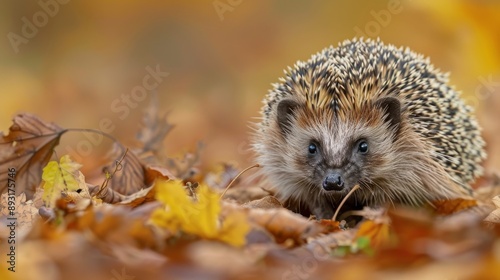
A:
208	255
157	172
422	239
451	206
246	194
330	225
141	231
140	197
28	148
494	217
137	258
130	176
410	228
186	167
25	212
114	224
107	195
155	128
268	202
323	244
409	224
281	223
486	188
113	197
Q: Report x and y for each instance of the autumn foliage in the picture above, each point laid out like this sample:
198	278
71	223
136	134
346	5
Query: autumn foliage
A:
152	218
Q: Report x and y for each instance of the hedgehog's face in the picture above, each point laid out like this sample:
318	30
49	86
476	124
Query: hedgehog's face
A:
335	153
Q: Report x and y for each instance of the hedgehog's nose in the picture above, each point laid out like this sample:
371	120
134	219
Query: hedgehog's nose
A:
333	182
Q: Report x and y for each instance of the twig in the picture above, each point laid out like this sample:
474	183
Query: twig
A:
237	176
343	201
118	167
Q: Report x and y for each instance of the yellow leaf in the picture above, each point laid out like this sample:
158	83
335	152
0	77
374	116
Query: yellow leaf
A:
59	177
378	233
200	216
204	217
233	230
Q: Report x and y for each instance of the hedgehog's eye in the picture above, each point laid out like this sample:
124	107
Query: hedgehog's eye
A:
313	149
363	147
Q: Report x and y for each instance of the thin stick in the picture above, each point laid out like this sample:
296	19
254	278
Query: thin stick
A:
118	167
237	176
343	201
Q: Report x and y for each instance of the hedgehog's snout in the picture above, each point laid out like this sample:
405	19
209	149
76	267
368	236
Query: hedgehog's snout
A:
333	182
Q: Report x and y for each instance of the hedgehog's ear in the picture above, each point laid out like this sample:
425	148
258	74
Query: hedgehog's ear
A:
392	108
285	114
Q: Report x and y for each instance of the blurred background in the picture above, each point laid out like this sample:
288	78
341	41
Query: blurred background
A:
77	63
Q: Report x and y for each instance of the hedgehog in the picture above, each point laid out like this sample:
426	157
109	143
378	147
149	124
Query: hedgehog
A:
369	114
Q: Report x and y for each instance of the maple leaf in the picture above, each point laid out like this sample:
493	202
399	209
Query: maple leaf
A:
27	148
59	177
233	230
206	211
200	216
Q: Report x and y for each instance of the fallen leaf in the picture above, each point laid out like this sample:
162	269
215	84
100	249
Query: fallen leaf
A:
494	216
155	128
130	176
186	167
209	255
110	196
25	212
330	225
60	177
281	223
135	257
198	216
246	193
221	176
450	206
323	244
140	197
378	234
267	202
409	227
27	148
156	172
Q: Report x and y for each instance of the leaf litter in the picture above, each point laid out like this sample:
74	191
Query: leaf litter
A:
152	218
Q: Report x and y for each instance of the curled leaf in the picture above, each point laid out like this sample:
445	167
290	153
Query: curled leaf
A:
27	149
